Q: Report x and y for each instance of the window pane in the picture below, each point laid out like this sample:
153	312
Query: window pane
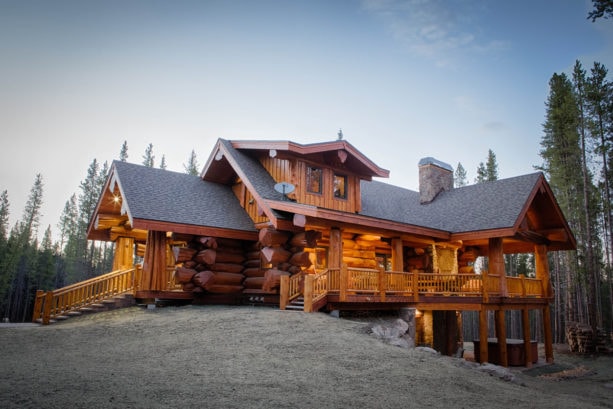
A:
340	186
314	180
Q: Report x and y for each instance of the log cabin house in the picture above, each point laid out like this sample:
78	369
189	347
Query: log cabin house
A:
273	222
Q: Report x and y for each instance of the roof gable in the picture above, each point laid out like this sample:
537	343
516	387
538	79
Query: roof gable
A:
330	153
156	196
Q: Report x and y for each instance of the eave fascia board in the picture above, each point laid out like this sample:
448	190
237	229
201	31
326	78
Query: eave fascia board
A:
245	178
157	225
542	185
112	183
357	219
319	147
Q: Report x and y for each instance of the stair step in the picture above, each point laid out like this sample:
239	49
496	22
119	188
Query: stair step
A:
74	313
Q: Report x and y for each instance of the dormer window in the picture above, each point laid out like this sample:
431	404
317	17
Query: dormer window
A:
314	179
340	186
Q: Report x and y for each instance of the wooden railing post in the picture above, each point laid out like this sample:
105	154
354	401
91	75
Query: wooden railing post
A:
38	304
344	282
382	282
308	293
415	285
47	308
484	285
283	292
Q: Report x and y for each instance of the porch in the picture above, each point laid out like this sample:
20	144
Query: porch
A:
347	285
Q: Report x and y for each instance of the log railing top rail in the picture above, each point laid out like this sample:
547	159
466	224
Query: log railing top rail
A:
354	281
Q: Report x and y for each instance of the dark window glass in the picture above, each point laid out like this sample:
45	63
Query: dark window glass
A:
313	179
340	186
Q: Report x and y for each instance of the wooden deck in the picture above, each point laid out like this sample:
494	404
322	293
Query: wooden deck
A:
353	288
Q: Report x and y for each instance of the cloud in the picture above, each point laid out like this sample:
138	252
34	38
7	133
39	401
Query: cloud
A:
435	29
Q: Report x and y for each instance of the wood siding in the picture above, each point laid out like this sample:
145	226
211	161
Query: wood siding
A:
248	202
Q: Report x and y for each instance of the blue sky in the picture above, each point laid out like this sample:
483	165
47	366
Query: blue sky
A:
403	79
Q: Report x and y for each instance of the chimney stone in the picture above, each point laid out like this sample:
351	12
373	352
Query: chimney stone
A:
434	177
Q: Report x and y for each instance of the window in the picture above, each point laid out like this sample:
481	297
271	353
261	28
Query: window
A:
340	186
313	179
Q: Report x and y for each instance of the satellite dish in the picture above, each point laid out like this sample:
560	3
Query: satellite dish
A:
284	187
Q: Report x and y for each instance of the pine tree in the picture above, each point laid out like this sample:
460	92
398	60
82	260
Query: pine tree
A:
460	178
31	213
481	173
163	162
20	257
123	154
491	167
561	154
148	157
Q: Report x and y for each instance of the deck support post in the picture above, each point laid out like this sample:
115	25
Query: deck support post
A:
525	321
501	335
483	335
548	338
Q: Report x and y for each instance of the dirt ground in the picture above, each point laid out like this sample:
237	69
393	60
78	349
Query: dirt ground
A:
258	357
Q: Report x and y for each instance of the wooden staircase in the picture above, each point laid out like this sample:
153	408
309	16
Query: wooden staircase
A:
108	291
109	304
297	304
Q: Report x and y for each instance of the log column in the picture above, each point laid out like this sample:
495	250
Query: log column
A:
124	253
154	264
335	253
496	268
496	264
483	335
525	320
397	255
501	335
541	266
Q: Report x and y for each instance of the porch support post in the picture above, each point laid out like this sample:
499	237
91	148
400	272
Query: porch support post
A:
541	267
154	264
397	256
525	321
335	256
123	258
496	264
548	338
483	335
501	334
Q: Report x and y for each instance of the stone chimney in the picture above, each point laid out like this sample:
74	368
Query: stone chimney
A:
434	177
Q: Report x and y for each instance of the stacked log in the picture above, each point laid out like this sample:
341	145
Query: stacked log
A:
581	339
211	264
284	254
418	259
253	272
360	253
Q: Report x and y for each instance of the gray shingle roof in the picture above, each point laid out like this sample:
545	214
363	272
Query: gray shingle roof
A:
483	206
254	172
166	196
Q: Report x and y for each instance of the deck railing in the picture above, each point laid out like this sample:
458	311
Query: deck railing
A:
348	281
